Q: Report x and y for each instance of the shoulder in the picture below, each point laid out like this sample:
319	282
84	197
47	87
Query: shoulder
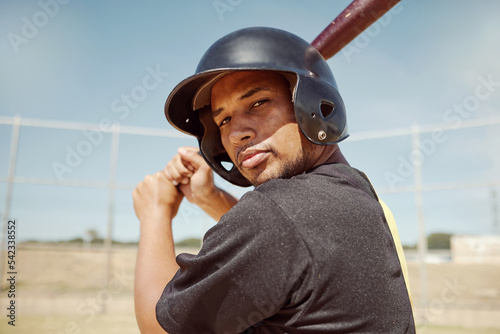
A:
332	185
319	177
255	212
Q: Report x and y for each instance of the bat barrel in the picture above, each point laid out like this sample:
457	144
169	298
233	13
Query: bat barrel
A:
353	20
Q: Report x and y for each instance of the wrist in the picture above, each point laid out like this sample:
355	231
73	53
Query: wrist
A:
209	197
158	218
218	204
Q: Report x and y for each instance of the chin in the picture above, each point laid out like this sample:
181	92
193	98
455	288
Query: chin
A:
256	178
283	170
265	176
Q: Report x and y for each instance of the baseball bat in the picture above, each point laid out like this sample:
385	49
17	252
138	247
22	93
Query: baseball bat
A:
353	20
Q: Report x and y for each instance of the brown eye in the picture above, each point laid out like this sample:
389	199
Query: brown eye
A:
224	121
259	103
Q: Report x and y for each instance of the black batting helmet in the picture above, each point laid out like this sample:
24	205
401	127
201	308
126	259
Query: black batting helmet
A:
319	109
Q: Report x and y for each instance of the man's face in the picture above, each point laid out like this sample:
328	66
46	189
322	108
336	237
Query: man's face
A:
254	112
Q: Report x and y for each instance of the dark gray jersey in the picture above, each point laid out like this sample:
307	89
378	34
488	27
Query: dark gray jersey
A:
310	254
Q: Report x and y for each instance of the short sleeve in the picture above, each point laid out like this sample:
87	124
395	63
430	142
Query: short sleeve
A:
251	262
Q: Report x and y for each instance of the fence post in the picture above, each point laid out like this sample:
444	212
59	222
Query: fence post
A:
115	141
14	143
494	210
418	160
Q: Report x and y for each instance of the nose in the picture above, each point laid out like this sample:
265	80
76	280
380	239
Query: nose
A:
242	131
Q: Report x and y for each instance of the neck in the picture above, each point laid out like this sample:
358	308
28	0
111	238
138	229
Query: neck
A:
330	154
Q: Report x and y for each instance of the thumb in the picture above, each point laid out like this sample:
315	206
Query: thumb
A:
192	156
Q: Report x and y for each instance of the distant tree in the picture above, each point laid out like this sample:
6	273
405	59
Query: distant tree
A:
438	241
75	240
92	234
190	242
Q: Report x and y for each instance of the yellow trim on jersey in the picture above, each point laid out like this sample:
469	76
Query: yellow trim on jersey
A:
397	242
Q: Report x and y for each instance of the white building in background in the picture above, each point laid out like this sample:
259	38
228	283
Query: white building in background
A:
483	249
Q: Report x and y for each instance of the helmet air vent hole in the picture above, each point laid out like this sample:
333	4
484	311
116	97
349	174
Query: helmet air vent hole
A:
227	165
327	108
313	115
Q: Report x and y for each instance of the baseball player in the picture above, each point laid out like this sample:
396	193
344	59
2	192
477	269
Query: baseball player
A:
311	249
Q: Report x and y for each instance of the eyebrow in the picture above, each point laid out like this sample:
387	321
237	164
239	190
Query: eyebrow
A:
252	92
248	94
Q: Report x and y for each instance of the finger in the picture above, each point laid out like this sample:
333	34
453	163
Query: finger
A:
185	153
189	148
171	173
183	167
192	156
177	172
175	180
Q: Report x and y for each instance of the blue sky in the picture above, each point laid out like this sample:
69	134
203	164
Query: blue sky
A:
75	62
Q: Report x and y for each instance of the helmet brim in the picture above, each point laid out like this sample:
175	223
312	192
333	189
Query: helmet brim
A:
179	109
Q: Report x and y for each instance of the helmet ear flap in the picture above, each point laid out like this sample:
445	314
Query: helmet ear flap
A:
320	111
213	151
327	109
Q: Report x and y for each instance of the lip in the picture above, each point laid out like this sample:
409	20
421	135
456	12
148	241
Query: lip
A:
252	158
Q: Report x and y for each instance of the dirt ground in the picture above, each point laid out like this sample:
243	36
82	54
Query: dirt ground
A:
63	290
